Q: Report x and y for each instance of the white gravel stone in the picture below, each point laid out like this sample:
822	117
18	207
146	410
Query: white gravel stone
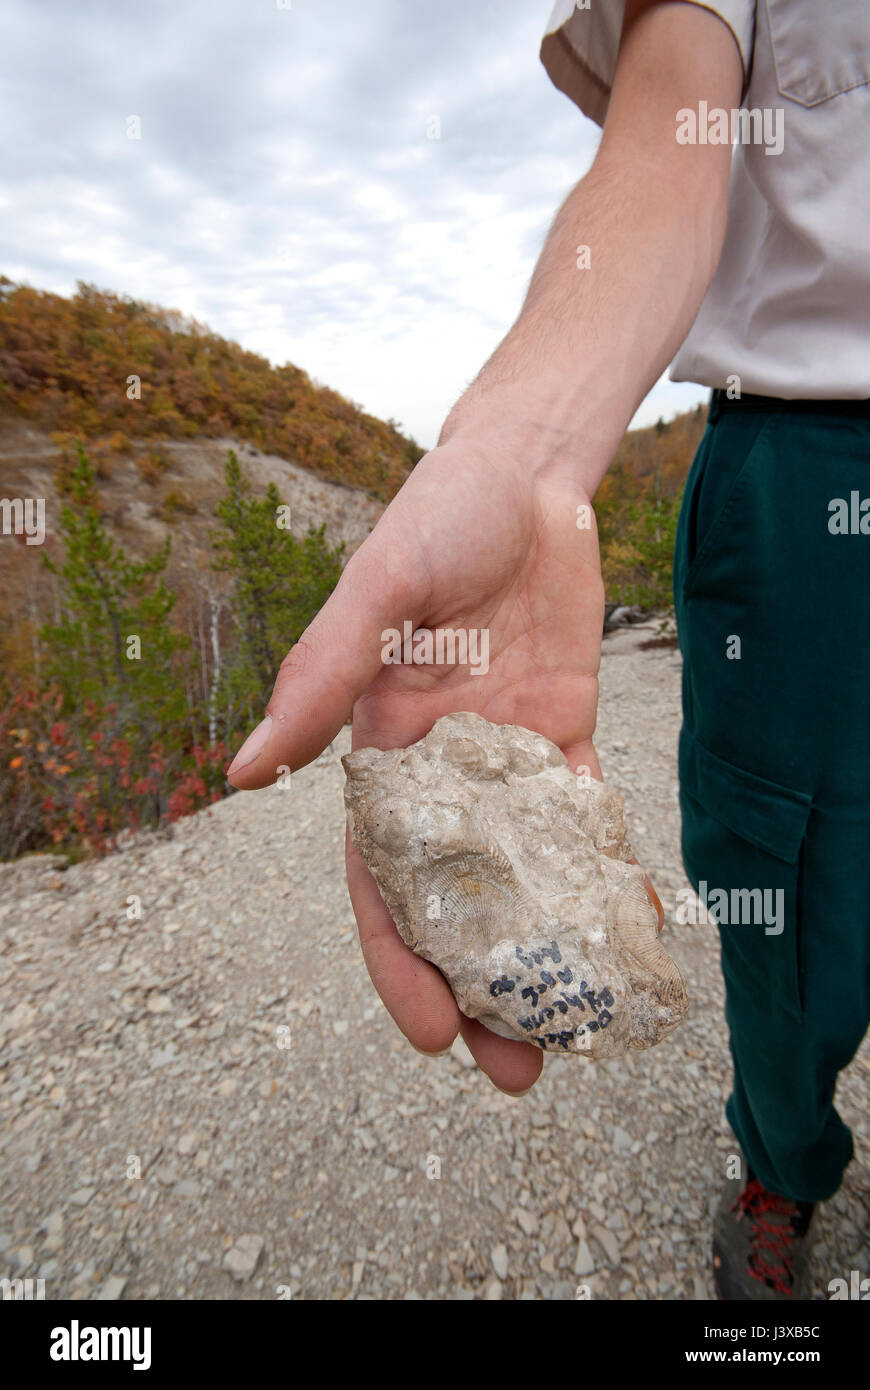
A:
527	1220
112	1288
242	1257
608	1243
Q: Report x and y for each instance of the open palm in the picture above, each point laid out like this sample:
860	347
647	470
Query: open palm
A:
470	542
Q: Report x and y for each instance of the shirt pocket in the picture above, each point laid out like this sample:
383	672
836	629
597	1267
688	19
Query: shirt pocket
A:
819	50
743	840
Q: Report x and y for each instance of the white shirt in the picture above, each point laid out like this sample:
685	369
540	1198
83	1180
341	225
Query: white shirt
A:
788	310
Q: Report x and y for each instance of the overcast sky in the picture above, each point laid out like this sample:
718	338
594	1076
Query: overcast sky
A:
285	190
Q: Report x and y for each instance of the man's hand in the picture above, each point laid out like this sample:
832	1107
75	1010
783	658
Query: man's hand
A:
484	533
472	541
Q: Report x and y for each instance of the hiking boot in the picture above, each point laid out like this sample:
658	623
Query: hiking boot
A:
761	1244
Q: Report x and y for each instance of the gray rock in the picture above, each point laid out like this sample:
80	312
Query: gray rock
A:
112	1288
526	1219
513	875
241	1259
187	1187
608	1243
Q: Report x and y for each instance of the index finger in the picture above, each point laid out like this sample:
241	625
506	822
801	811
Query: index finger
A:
418	997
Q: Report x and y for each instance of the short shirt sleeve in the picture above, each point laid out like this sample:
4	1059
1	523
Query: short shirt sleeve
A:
580	47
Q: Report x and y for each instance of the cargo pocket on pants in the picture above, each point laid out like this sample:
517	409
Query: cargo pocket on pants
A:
742	843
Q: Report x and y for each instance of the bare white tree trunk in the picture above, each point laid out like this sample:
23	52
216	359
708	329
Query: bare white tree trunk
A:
214	613
203	655
34	635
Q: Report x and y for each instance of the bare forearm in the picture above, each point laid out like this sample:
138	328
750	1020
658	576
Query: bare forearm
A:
591	340
589	343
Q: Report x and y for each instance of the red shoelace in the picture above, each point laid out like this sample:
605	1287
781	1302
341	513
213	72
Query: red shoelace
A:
774	1237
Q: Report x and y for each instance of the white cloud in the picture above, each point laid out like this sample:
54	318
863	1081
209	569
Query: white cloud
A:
284	190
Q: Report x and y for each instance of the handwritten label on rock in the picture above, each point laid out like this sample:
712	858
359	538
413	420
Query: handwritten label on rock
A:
565	997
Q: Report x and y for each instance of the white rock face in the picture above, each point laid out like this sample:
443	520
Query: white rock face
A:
509	872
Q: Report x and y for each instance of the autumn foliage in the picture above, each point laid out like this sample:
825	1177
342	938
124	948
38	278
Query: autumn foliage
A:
76	781
126	684
117	724
71	366
636	509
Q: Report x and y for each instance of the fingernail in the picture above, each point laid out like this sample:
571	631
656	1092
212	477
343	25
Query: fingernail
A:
514	1094
252	745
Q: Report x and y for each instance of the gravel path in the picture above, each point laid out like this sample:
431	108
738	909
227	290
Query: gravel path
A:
229	1048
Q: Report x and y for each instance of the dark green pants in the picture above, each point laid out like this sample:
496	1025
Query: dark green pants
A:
773	611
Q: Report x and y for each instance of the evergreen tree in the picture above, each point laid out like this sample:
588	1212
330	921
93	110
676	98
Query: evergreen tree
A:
278	585
117	665
650	536
113	643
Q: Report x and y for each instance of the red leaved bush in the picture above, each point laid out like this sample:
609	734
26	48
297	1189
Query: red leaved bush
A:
83	780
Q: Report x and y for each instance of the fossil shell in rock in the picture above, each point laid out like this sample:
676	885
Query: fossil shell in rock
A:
510	873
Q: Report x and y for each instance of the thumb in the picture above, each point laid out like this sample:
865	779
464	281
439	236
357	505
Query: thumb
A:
334	661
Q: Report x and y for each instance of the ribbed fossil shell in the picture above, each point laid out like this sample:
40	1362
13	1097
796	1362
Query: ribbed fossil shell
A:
473	896
510	873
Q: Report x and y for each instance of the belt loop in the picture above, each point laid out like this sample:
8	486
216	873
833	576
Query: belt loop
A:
715	409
